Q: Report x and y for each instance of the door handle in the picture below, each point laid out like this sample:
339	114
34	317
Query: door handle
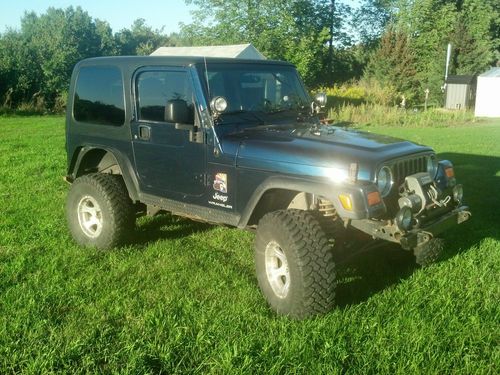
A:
144	132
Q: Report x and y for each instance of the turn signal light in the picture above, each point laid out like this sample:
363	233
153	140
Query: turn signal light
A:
346	201
374	198
450	173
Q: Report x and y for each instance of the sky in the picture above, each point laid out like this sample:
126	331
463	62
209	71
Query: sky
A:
119	13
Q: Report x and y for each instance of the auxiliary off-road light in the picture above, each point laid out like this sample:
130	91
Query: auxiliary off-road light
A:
218	104
458	193
413	201
404	218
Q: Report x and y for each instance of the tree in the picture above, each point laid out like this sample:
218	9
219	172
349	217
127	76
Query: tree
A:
140	39
36	61
20	74
305	32
371	19
470	25
46	49
474	41
393	64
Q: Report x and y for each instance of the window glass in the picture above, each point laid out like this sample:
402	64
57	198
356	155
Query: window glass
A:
99	96
252	87
156	89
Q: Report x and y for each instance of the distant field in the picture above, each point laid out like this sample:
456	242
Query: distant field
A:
183	297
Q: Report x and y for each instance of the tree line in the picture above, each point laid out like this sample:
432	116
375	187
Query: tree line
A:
397	45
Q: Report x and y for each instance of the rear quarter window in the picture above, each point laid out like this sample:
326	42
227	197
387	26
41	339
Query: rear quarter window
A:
99	96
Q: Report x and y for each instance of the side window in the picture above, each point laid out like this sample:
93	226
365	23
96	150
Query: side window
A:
156	89
99	96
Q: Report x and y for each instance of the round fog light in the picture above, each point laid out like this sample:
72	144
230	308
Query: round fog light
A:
404	218
458	193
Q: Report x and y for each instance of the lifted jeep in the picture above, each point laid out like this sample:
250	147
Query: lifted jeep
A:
239	142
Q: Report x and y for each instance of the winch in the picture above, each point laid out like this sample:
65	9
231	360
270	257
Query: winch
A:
419	192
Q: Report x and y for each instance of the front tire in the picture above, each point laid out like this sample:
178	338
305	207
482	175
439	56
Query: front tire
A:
429	253
294	264
99	211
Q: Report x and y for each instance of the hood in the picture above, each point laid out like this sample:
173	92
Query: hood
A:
312	151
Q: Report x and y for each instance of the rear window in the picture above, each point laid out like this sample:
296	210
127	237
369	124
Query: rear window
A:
99	96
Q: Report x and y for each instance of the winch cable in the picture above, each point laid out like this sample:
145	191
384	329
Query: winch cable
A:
433	195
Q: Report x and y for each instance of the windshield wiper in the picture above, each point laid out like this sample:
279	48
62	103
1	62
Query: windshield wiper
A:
269	126
243	112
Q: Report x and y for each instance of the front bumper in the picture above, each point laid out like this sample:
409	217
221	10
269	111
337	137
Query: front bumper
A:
418	236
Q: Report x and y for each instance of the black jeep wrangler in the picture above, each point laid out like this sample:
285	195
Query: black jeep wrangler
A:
239	142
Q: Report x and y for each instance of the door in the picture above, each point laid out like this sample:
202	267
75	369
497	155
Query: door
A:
168	164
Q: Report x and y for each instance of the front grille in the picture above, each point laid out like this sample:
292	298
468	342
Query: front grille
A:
406	167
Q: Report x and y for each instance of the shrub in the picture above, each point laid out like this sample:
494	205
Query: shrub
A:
60	102
379	115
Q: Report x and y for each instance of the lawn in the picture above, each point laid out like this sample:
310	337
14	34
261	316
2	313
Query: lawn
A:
183	296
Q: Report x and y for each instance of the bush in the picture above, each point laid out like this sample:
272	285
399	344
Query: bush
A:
23	109
60	102
379	115
361	92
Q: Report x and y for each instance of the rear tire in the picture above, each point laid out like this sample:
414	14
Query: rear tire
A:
99	211
294	264
430	252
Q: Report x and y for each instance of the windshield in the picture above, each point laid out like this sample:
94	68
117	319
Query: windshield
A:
255	92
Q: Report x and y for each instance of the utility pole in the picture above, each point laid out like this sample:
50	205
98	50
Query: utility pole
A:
330	41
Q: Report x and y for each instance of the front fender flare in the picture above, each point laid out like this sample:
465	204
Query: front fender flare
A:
329	190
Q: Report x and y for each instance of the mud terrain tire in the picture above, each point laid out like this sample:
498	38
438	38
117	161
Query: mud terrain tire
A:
294	264
99	211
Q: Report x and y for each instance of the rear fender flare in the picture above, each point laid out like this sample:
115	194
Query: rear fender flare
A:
126	168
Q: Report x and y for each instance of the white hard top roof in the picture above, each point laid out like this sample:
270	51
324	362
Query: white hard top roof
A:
241	51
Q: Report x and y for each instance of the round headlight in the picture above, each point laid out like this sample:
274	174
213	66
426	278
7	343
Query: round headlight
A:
218	104
384	181
404	218
432	165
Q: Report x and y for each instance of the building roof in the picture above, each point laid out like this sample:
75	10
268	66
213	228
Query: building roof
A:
464	80
493	72
238	51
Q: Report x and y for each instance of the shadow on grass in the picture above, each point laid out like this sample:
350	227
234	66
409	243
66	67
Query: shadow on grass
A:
369	272
480	177
166	227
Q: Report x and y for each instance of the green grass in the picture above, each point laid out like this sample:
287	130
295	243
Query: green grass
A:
183	297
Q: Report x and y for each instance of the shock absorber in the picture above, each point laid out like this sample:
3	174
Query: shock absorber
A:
326	208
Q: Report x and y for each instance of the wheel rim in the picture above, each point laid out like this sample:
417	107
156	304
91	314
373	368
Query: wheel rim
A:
278	274
90	216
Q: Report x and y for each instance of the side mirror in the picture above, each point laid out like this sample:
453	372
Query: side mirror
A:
177	111
320	99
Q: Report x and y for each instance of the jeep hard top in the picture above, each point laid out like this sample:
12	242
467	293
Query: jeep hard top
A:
239	142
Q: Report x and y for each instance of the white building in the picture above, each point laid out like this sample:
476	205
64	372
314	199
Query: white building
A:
488	94
237	51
